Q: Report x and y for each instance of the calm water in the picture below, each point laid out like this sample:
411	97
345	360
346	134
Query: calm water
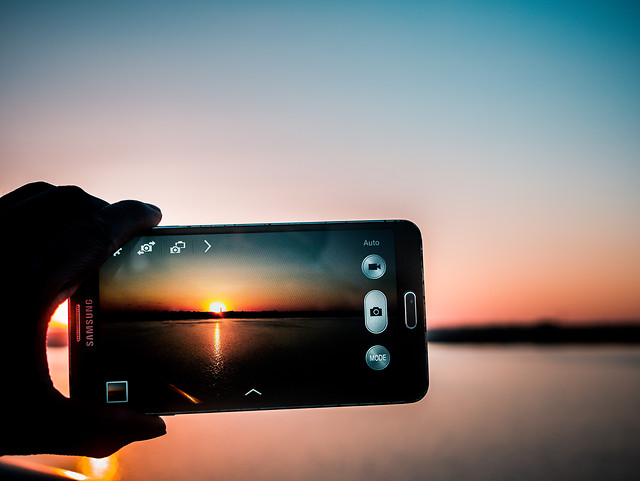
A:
492	413
290	361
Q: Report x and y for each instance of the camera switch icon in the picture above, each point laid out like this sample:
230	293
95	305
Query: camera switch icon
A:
146	248
375	312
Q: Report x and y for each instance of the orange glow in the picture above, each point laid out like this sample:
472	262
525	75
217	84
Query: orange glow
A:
104	469
217	306
37	469
194	400
60	317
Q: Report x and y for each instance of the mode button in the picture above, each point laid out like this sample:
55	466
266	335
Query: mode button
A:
377	358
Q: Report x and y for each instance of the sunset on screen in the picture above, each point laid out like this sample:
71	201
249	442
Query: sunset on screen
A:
217	307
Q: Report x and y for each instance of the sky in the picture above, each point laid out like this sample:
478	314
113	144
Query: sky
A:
506	130
283	271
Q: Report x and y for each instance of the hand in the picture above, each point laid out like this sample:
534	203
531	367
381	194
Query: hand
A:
51	239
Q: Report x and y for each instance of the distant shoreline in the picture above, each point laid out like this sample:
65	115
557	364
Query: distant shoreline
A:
128	316
543	333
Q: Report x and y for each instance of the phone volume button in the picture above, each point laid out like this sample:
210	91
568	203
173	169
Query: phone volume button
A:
78	322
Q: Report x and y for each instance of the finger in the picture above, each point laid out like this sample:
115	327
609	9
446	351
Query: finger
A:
111	428
84	246
35	218
50	209
58	425
61	257
126	219
110	228
23	193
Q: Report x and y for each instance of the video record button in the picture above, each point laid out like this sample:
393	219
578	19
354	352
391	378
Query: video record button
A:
374	266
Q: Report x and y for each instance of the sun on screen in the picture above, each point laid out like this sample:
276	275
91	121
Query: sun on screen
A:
217	307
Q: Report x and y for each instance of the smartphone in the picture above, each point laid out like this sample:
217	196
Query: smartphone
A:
246	317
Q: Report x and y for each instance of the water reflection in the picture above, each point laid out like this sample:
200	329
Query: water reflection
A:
217	350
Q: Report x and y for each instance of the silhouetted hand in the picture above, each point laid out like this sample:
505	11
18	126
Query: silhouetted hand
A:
51	239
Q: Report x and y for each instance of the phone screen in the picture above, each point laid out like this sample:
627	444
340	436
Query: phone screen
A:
206	319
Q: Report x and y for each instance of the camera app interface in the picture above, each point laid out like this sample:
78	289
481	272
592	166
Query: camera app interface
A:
236	320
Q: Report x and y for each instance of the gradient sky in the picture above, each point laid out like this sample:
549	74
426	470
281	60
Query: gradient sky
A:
282	271
508	131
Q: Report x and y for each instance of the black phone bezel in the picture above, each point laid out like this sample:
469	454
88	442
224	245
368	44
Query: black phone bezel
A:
411	379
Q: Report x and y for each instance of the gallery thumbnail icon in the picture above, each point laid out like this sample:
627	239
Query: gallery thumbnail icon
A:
117	391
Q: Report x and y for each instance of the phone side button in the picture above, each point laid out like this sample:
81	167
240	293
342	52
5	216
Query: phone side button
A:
410	310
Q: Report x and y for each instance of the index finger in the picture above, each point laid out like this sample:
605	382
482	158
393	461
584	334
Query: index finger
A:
85	245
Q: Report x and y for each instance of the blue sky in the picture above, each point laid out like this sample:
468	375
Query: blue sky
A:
508	131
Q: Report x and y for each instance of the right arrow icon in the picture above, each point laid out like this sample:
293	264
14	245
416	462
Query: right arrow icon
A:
208	246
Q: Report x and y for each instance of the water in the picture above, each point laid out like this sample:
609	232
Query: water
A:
492	413
290	361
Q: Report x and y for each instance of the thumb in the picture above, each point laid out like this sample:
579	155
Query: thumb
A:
100	430
58	425
49	423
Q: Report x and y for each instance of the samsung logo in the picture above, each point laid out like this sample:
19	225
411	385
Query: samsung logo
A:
88	322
